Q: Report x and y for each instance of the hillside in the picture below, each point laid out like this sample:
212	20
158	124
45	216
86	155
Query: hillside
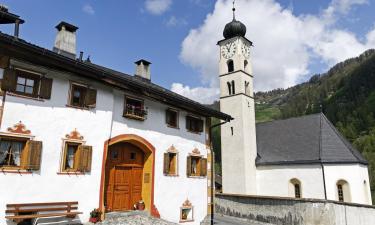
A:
345	94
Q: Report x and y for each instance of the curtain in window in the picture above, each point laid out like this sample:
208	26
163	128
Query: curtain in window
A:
70	157
16	150
4	148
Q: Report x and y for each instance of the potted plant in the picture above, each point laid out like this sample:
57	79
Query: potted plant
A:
140	205
95	216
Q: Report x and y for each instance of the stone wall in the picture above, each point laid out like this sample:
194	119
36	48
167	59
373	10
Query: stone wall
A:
289	211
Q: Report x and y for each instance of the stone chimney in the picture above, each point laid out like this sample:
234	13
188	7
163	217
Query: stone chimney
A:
142	69
65	43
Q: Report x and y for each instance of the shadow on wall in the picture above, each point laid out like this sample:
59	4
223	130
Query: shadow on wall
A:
48	221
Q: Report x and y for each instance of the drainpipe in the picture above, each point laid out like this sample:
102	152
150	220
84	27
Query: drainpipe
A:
212	168
320	157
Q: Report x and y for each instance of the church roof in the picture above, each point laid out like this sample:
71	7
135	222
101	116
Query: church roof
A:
303	140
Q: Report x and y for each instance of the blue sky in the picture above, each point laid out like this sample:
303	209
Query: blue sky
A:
117	33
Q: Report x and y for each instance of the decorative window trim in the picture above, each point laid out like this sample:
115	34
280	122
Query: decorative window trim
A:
200	166
186	206
172	150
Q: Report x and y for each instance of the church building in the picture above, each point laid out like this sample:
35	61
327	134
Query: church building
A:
304	157
76	136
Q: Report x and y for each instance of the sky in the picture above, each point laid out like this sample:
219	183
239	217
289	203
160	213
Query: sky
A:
293	39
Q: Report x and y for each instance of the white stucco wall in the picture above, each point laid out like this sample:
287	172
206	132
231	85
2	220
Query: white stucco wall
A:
50	120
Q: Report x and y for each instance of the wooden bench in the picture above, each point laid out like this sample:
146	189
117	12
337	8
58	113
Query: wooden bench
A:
25	211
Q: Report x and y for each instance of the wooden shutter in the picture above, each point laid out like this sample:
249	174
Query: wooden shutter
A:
200	125
34	155
90	98
188	166
9	81
4	62
45	88
166	163
85	158
188	123
203	167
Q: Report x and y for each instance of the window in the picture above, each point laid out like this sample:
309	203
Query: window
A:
134	109
229	88
26	83
196	166
76	157
20	153
170	163
245	65
343	191
194	124
295	188
82	97
233	88
172	118
186	212
230	66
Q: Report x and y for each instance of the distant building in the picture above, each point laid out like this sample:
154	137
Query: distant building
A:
303	157
72	130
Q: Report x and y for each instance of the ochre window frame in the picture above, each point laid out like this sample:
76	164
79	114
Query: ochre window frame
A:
22	153
202	165
167	164
75	159
78	161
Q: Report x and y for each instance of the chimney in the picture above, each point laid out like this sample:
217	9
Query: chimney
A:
65	43
142	69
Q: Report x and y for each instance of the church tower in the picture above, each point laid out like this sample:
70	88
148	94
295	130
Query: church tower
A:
238	140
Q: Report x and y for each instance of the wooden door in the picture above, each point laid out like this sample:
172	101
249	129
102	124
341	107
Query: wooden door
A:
124	171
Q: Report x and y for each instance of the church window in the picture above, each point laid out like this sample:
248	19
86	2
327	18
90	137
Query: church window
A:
194	124
77	157
170	162
343	191
233	88
134	109
295	186
245	65
171	117
231	129
230	66
19	153
26	83
82	96
229	88
247	88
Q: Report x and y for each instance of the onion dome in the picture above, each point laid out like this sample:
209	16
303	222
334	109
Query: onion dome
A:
234	28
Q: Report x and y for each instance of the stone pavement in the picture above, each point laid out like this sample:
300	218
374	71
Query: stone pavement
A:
132	218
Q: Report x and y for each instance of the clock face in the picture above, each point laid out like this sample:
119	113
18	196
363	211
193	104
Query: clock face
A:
228	50
246	50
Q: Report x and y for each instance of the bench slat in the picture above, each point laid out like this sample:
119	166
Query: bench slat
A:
40	209
42	215
41	204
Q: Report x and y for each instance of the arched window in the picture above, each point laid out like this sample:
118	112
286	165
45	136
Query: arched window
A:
233	88
229	88
343	191
247	88
295	188
245	65
230	66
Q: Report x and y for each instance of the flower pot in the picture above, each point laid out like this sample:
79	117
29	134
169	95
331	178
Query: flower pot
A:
94	219
140	206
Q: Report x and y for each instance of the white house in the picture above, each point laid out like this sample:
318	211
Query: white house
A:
72	130
303	157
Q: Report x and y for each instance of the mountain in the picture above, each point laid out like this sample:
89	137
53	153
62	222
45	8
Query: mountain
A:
345	94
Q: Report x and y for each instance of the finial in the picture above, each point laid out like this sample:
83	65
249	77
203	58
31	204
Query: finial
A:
234	9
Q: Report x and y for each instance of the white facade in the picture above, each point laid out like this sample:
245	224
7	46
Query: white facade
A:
50	120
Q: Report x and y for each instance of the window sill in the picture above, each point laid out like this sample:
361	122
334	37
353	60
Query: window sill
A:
195	132
129	116
78	107
15	170
70	173
197	177
171	175
174	127
186	221
25	96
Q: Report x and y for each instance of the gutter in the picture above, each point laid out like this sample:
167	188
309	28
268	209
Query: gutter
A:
320	157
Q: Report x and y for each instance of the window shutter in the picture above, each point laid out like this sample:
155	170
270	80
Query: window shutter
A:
9	81
90	98
85	158
203	167
200	125
166	163
188	123
188	166
4	62
45	88
34	155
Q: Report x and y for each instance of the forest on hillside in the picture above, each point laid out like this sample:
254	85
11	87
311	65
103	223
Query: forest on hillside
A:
345	94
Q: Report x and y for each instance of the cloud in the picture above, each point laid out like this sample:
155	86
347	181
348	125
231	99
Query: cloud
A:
200	94
87	8
174	21
285	44
157	7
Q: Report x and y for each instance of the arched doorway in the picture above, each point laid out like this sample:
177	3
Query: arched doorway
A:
127	174
123	177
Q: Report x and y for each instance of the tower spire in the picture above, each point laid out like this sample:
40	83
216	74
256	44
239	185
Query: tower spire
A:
234	10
